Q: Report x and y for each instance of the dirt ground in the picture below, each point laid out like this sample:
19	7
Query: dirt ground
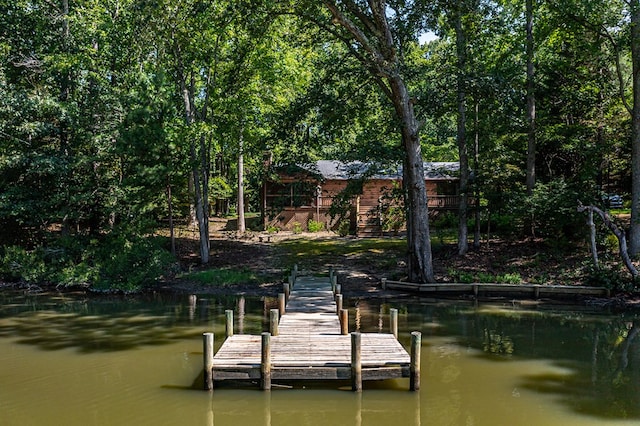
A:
535	261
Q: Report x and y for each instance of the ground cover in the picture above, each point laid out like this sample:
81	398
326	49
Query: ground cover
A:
362	262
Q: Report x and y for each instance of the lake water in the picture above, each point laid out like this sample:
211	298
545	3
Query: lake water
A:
76	360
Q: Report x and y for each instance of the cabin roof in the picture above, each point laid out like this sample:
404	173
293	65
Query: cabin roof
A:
337	170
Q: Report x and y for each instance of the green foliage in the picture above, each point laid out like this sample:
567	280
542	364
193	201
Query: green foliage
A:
484	277
392	211
116	262
18	263
296	227
608	277
219	188
509	278
315	226
128	262
344	228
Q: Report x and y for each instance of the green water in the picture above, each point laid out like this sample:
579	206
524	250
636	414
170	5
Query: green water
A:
73	360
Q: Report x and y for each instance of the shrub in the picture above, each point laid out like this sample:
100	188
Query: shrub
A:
127	263
512	278
315	226
608	278
344	228
18	264
296	227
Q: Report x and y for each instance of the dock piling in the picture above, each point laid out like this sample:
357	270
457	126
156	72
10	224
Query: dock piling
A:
207	346
265	363
229	322
393	314
273	321
287	291
344	322
414	368
356	362
281	303
338	303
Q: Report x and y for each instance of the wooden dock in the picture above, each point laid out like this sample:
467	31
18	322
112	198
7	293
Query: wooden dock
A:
308	342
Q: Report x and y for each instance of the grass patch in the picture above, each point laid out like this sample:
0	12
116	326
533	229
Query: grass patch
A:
223	277
331	247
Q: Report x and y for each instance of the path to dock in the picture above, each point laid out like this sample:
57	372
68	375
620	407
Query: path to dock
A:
307	344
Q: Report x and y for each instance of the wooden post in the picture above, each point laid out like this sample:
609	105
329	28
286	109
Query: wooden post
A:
338	303
344	322
393	314
281	303
265	363
229	322
207	346
414	369
291	281
334	282
273	321
295	271
356	362
384	283
287	292
338	289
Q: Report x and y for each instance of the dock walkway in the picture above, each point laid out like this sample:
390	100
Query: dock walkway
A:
308	344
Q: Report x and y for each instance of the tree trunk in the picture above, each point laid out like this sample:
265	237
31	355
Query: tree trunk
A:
619	233
373	44
420	262
476	189
463	245
531	102
201	214
634	237
172	234
241	220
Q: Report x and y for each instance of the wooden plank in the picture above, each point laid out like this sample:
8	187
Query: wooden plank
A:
496	288
309	345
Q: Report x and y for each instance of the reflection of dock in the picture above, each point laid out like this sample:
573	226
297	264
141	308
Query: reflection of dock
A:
308	342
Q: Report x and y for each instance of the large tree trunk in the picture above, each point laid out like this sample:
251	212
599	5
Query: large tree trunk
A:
372	43
461	48
420	263
200	207
531	102
634	237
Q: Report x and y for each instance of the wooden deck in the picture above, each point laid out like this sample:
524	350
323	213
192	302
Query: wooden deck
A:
309	346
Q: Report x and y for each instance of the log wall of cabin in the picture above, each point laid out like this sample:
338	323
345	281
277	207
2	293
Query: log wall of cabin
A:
365	207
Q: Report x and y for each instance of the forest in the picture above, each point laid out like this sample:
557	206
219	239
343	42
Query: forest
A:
122	117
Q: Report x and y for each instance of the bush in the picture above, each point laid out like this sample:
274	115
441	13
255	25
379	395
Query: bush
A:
115	262
315	226
608	278
19	264
128	263
344	228
296	227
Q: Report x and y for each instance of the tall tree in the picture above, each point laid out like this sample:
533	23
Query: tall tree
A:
376	40
531	99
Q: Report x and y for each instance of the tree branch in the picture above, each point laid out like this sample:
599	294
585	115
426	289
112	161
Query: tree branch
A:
619	233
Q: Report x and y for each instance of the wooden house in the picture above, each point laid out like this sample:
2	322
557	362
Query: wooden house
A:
358	195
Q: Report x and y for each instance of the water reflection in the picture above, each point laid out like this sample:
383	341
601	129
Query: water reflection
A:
101	358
